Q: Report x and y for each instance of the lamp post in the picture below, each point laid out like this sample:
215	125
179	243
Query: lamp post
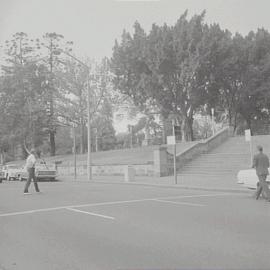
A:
74	150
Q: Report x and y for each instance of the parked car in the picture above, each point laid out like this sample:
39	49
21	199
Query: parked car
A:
22	175
2	174
43	171
11	171
249	178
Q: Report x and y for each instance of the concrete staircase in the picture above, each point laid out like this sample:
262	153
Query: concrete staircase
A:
223	163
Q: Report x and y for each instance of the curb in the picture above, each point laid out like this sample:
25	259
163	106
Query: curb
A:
229	190
178	187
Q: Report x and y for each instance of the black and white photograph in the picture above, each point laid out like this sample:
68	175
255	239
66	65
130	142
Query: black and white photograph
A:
134	134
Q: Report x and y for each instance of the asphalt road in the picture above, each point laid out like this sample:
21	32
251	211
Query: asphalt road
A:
92	226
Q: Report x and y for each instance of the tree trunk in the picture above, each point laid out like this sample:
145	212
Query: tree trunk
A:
183	130
248	120
189	128
230	117
82	148
235	123
51	132
163	130
52	143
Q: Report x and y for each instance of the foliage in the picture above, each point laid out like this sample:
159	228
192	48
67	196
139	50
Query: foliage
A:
189	66
42	89
163	68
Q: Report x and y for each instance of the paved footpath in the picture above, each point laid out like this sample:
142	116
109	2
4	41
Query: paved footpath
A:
96	226
211	183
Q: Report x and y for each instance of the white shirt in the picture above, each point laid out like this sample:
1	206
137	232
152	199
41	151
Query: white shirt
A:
31	161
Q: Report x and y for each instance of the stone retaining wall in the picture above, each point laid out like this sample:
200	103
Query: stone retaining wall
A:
140	169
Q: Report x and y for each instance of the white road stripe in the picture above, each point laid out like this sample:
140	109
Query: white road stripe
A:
31	211
69	206
108	203
180	203
111	203
198	196
89	213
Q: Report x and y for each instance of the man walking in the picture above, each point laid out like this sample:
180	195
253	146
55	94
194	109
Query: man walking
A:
261	164
30	166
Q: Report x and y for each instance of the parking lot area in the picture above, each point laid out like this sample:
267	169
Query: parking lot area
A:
112	226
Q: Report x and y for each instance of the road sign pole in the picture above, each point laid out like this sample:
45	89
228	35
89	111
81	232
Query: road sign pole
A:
251	151
174	164
174	151
74	151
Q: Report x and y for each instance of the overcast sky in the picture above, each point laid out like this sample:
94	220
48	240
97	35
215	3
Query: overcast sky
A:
93	25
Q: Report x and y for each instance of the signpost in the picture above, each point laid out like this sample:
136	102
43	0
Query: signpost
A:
73	136
248	138
171	140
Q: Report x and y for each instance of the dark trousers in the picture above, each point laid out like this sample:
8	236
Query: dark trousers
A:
31	175
263	187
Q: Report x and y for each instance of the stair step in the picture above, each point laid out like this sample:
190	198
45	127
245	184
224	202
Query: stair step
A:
226	160
208	175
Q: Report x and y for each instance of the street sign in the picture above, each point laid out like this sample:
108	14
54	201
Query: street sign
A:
171	140
247	135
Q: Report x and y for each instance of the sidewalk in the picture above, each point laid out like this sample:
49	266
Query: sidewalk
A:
210	183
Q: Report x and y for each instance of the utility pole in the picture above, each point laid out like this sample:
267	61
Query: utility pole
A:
89	169
174	153
74	151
